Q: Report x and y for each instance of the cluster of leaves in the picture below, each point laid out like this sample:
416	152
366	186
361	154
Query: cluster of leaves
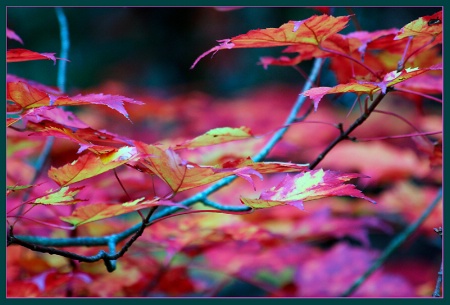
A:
100	183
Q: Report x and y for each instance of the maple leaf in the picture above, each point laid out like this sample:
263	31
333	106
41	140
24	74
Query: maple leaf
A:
309	31
64	196
423	26
307	186
27	96
12	35
10	78
181	175
165	163
112	101
361	87
359	40
265	167
335	42
78	133
16	55
217	136
90	165
94	212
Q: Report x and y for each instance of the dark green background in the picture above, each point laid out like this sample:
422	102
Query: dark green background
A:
153	47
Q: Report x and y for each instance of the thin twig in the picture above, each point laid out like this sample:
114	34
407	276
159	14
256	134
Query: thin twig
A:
419	94
401	62
398	136
222	207
437	289
394	245
345	135
420	49
292	115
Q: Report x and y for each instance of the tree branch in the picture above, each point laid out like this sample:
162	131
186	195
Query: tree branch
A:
437	289
345	134
199	197
394	245
222	207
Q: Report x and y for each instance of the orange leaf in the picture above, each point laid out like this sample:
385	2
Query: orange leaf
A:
165	163
307	186
94	212
90	165
181	175
335	42
309	31
26	96
217	136
64	196
361	87
423	26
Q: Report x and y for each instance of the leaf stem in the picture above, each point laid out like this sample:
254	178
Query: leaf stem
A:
401	62
437	289
222	207
398	136
418	93
394	245
350	58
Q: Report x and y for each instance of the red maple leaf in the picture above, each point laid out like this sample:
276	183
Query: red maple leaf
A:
16	55
307	186
313	30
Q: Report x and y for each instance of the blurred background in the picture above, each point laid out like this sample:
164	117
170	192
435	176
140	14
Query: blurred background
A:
154	47
145	53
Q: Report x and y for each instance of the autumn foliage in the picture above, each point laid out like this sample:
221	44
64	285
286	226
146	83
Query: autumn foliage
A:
318	185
